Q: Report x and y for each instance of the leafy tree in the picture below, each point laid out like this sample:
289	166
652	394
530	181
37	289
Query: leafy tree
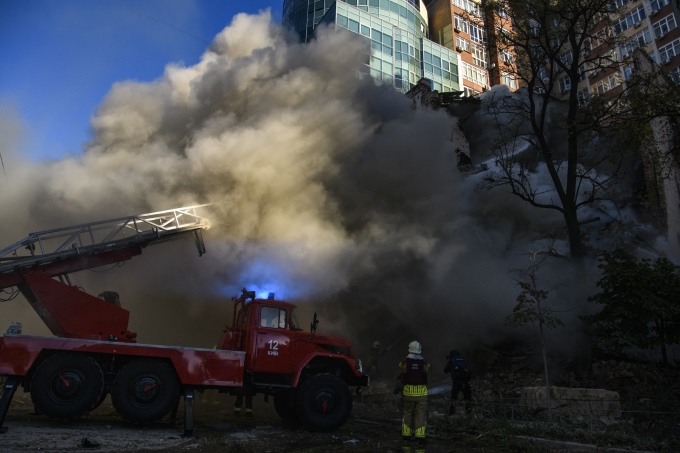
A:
531	308
640	302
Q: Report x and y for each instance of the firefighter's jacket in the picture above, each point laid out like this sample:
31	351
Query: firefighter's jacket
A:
414	370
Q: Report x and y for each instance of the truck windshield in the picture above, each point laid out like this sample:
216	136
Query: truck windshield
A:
273	317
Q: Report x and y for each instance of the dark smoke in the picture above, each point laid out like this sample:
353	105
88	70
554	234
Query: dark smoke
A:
325	189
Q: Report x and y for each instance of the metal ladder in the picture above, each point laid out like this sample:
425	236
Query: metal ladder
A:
45	247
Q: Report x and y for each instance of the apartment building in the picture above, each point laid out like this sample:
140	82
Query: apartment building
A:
470	29
615	30
651	25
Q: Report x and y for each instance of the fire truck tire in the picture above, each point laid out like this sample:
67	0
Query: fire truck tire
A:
284	404
144	391
67	386
324	403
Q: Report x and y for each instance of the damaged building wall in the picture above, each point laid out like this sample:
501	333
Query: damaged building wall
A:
661	167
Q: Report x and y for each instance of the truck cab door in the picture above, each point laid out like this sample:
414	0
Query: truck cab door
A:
273	346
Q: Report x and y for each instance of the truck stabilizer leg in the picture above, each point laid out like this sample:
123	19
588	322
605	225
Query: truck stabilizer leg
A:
189	412
9	388
173	413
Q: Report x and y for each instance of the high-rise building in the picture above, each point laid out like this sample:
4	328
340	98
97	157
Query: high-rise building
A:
398	32
603	50
650	25
469	28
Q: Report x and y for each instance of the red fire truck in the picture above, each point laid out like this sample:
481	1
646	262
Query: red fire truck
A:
93	354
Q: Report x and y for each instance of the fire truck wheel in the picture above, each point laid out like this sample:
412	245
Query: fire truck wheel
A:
144	391
284	404
324	403
67	386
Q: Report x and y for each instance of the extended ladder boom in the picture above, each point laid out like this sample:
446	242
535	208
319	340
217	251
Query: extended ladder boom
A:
31	264
52	250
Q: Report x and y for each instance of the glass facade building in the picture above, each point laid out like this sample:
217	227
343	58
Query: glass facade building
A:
401	53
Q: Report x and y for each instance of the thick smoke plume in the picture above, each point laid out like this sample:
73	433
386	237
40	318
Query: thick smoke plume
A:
325	188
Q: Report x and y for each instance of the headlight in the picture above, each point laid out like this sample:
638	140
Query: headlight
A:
359	365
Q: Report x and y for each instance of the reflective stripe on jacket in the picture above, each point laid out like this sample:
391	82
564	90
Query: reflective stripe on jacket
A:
414	390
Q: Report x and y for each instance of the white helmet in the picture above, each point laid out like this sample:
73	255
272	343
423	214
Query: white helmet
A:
414	347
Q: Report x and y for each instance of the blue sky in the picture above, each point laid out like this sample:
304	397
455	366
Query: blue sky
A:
60	57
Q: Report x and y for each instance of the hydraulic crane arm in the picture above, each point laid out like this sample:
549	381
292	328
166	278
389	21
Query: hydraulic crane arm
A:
31	264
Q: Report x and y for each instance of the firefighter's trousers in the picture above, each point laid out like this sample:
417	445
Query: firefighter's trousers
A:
415	416
239	403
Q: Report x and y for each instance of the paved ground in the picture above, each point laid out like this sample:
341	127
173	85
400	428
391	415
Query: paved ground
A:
373	427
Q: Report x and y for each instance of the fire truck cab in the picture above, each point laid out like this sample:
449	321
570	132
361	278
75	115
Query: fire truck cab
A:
307	373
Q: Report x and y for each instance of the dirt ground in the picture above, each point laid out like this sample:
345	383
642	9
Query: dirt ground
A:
373	427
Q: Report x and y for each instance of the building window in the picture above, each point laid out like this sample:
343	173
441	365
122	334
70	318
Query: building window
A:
600	16
467	92
590	68
462	45
469	6
565	84
656	5
400	82
664	26
534	27
474	74
502	13
583	96
477	34
461	24
479	55
508	80
635	41
587	46
631	19
542	73
674	74
669	51
597	39
628	71
506	56
607	84
566	58
616	4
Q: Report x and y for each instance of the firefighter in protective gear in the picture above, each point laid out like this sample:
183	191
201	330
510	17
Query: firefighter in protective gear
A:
464	161
372	364
413	377
460	380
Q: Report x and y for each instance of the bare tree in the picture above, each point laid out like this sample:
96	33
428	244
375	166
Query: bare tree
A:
550	47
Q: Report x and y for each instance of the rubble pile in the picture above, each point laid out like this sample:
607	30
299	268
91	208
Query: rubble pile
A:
574	403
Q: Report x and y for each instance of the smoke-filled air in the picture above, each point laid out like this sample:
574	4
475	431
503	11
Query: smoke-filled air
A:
324	188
